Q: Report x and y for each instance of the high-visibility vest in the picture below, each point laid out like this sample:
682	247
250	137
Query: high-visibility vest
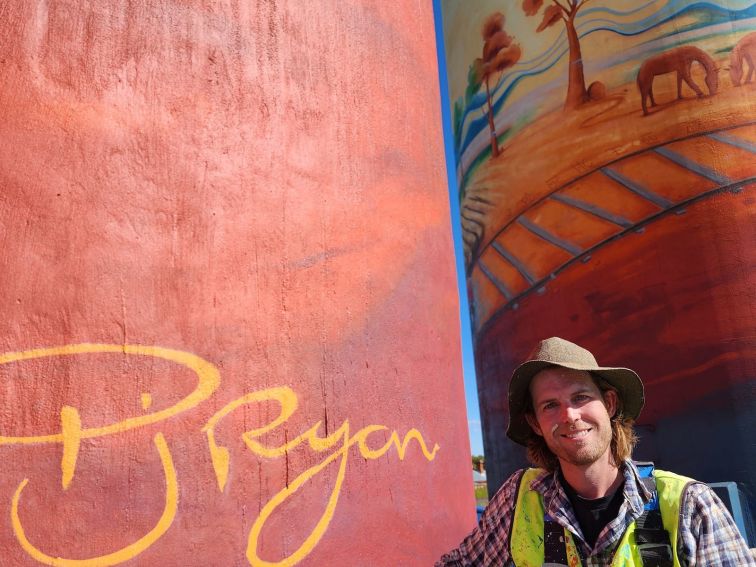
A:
527	539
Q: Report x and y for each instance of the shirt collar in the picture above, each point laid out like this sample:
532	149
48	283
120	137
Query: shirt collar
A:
635	492
548	485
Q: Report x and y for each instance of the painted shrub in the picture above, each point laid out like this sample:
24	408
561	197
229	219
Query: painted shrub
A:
229	306
619	213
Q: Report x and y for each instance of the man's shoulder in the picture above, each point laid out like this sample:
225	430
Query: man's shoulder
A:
685	486
669	475
513	479
511	486
530	473
504	500
644	470
649	479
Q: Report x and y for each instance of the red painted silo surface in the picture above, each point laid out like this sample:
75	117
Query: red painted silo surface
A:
229	310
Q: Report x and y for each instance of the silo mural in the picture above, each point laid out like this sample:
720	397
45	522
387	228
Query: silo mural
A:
605	159
230	327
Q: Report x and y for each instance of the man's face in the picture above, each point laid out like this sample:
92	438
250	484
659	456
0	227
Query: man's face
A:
572	415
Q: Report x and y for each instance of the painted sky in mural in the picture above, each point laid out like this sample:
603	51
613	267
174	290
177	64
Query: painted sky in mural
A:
536	83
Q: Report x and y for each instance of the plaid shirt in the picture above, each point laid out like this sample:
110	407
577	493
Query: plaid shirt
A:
707	535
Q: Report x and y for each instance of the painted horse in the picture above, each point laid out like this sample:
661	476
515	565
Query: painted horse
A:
678	60
743	52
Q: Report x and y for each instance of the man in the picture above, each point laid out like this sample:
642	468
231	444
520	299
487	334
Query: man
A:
588	504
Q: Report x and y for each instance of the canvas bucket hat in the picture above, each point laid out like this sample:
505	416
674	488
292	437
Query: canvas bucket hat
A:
559	352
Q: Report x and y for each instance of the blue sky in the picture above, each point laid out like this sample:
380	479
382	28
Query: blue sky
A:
468	364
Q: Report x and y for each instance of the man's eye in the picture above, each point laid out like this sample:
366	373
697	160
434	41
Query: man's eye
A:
550	405
582	398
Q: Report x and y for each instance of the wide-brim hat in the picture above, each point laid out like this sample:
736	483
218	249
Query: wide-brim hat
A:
559	352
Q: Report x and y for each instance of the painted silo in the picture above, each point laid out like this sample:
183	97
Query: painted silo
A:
230	329
605	159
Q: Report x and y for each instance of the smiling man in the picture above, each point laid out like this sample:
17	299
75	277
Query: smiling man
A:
588	503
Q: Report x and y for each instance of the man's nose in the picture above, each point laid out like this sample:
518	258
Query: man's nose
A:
570	414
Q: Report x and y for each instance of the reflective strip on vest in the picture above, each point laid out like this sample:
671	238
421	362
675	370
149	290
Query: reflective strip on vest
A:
526	541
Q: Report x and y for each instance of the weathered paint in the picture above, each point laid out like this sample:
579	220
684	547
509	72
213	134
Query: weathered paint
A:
229	307
618	220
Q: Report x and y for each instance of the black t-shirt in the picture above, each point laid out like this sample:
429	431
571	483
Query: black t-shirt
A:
593	515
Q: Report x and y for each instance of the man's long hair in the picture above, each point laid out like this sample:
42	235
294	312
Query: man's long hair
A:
623	436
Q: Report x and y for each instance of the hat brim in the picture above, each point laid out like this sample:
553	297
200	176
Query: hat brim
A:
627	383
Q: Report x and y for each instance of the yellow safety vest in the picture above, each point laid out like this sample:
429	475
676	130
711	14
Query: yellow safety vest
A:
526	542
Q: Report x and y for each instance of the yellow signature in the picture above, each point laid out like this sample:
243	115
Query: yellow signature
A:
336	447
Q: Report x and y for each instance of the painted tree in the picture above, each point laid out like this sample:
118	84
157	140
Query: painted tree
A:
565	11
499	53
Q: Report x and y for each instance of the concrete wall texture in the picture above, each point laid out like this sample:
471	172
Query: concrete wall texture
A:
606	155
229	311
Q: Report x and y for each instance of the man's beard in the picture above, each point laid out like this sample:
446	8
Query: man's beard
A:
587	454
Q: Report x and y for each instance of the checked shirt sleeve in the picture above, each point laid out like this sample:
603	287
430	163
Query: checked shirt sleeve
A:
488	543
708	535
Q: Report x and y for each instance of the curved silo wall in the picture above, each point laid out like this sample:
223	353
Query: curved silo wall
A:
614	208
227	287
